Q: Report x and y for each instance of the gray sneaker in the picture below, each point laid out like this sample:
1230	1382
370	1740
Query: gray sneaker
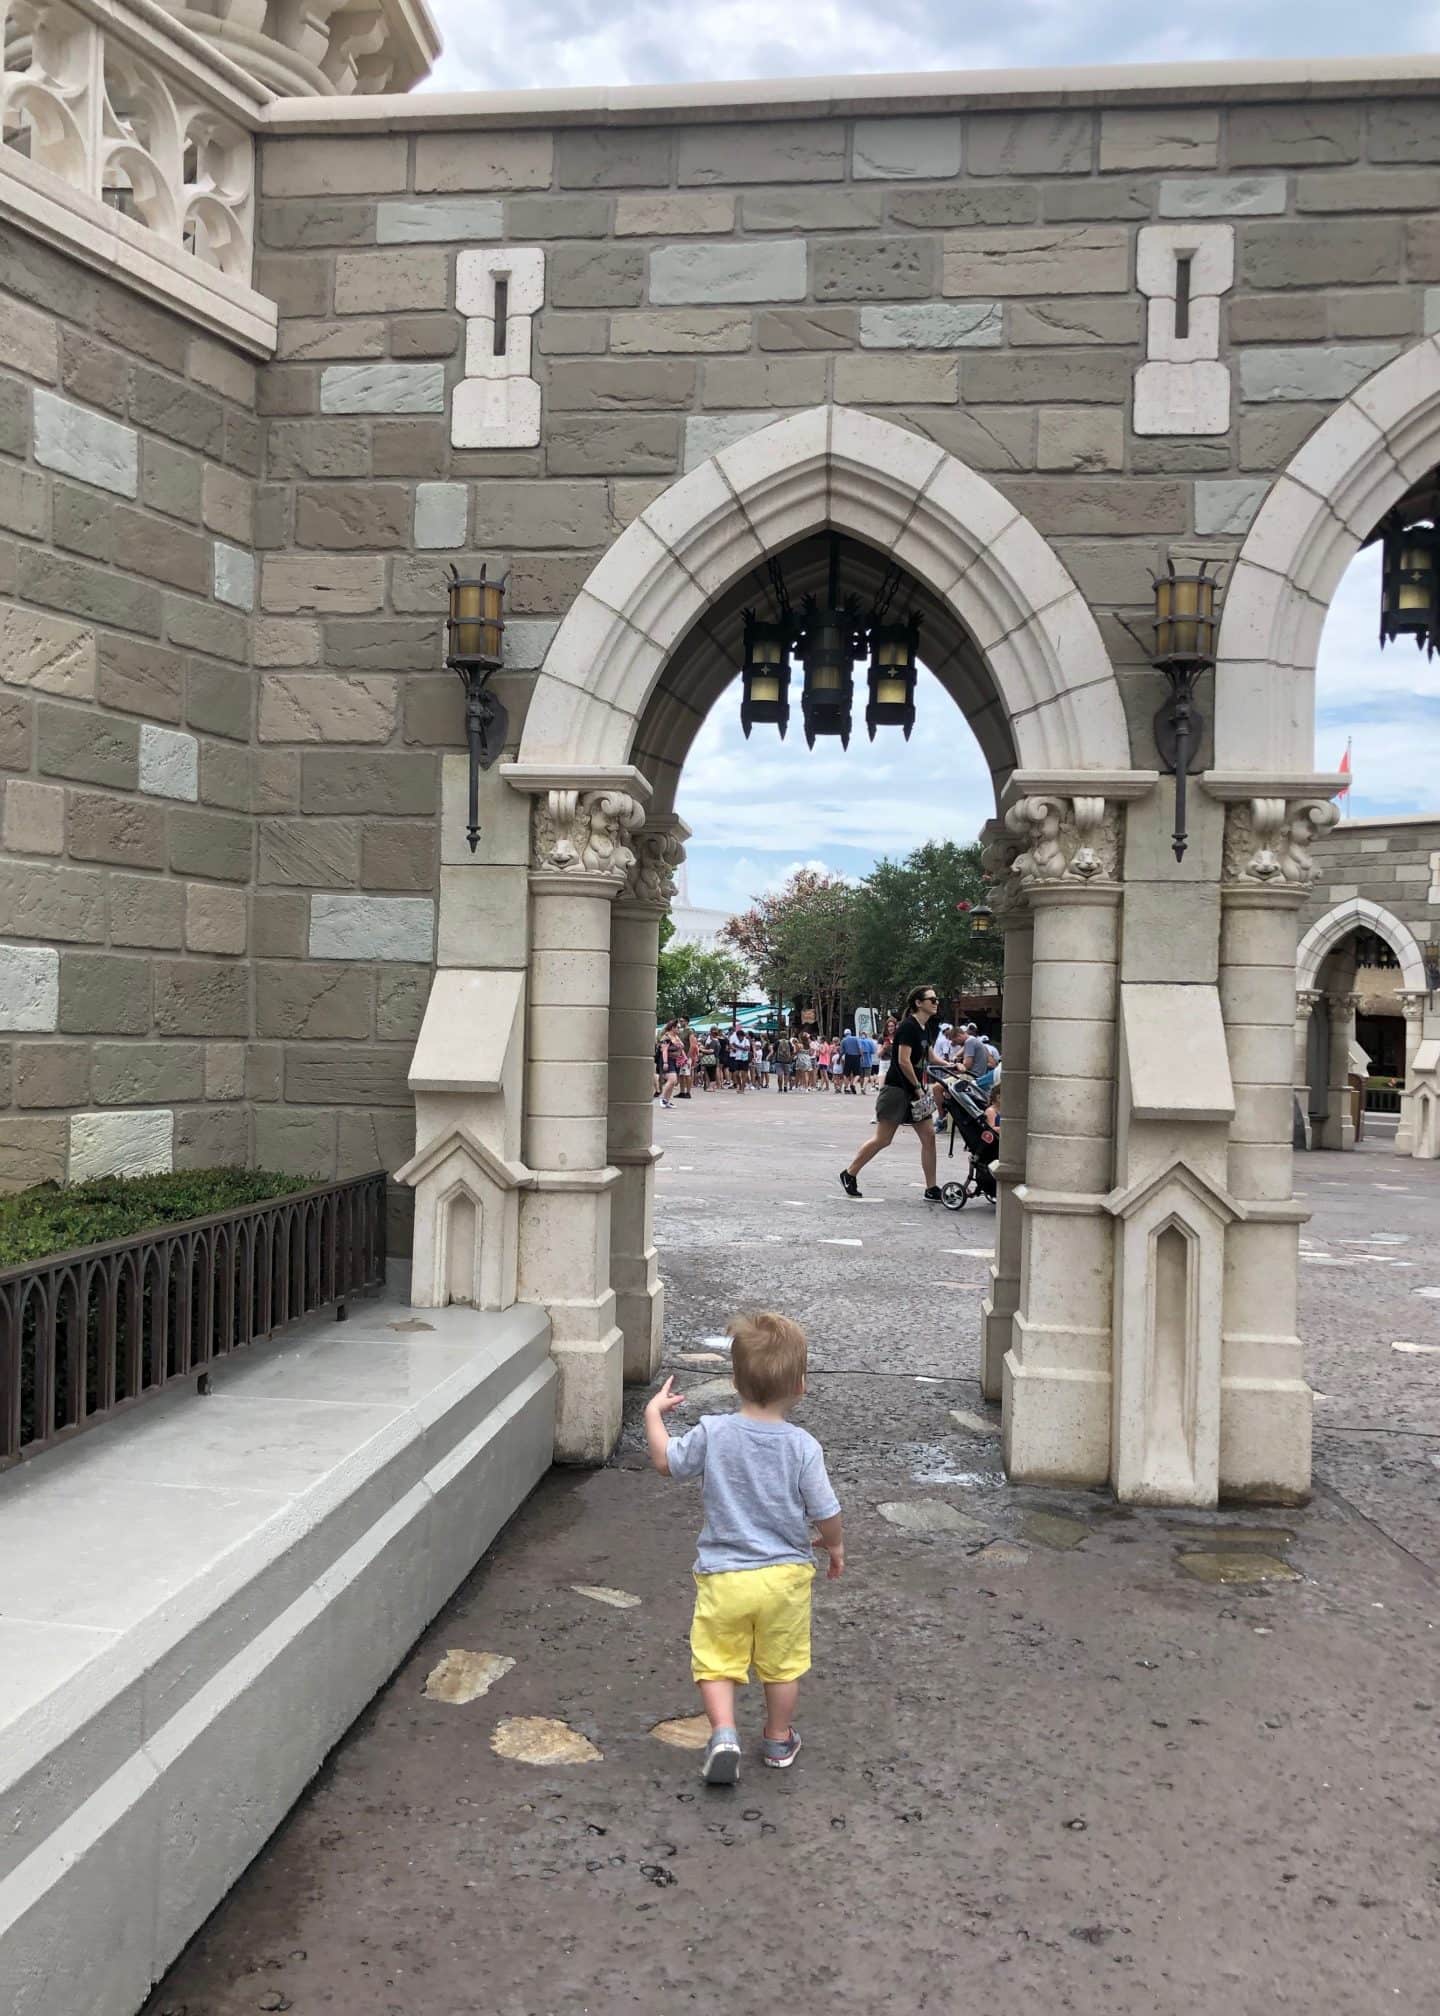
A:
780	1752
722	1758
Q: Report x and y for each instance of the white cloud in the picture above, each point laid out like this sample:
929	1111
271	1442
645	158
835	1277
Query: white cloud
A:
1387	700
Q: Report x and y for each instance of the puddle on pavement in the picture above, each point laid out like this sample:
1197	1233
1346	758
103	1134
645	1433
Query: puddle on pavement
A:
935	1463
684	1732
1225	1567
1237	1535
1054	1530
928	1515
465	1676
537	1739
617	1599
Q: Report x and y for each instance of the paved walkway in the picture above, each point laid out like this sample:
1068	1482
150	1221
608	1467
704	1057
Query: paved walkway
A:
1054	1774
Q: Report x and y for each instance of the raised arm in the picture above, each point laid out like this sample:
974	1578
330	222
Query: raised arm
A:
656	1435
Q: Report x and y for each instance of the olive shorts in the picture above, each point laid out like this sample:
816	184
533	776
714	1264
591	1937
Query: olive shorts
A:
752	1613
892	1105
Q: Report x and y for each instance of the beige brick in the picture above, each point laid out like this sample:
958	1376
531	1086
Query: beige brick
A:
306	338
1030	143
669	216
750	382
53	1074
1307	135
196	997
31	1151
146	1074
1172	136
34	818
348	165
390	282
46	652
310	853
327	707
228	504
313	1002
214	918
140	678
104	994
806	150
398	856
224	1070
1081	438
657	332
278	642
323	584
29	342
147	910
224	370
889	380
483	161
353	517
1100	507
1059	259
119	830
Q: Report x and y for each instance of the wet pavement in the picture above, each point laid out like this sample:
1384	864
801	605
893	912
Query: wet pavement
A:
1059	1755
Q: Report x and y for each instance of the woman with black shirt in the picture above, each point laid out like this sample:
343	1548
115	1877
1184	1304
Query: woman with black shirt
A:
904	1083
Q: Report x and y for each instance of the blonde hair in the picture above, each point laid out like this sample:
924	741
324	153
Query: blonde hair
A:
767	1357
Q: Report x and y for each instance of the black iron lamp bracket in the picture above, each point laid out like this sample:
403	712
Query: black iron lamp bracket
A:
487	723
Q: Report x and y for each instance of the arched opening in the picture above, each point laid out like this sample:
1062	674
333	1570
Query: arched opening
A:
1361	991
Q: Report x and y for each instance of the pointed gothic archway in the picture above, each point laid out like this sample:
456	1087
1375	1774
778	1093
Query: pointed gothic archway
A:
1322	1060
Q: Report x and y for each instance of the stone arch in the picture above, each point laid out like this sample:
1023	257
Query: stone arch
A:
948	527
1317	515
1359	913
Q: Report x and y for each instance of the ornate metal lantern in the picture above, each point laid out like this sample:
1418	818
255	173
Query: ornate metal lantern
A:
894	648
1186	621
474	648
982	919
766	674
1410	584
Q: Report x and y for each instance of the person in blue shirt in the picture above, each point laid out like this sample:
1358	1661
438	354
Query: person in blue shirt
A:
852	1055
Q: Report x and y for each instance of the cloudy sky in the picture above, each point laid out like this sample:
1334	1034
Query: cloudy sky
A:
762	807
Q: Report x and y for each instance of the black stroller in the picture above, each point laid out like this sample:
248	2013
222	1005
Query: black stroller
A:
963	1104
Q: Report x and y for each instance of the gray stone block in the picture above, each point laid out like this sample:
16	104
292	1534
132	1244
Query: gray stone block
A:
332	781
1073	259
611	385
532	218
633	157
234	576
23	501
32	1151
1281	136
163	551
1100	509
466	221
671	331
1074	319
483	160
305	225
66	905
169	763
179	412
595	276
1329	371
206	627
92	748
225	777
400	999
969	203
1229	506
985	437
320	339
353	517
935	325
1374	311
391	645
1409	131
1159	136
77	442
104	994
212	844
397	856
442	512
1351	252
874	269
321	1075
1279	318
631	444
802	151
577	335
147	910
313	1002
29	986
218	700
668	215
707	433
516	515
211	1137
773	271
813	209
870	379
1064	377
82	520
382	388
1422	248
52	1074
808	329
398	928
1030	143
310	853
1083	438
425	335
318	448
901	150
766	381
1223	196
200	997
1270	435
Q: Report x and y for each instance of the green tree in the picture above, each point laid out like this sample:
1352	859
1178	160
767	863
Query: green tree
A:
908	926
692	982
796	941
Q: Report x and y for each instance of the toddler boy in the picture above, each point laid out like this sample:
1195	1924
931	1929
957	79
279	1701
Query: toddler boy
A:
763	1482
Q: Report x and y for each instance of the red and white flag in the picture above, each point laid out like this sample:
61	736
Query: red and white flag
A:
1345	770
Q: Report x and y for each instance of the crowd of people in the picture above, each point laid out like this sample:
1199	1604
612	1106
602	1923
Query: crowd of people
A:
738	1059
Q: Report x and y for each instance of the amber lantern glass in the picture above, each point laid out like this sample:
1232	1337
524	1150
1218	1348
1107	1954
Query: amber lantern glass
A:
893	650
765	675
1410	585
476	623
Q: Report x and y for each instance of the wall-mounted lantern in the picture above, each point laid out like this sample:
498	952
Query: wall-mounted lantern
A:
474	647
1183	647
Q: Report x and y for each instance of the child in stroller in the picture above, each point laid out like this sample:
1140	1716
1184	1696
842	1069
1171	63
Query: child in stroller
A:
964	1105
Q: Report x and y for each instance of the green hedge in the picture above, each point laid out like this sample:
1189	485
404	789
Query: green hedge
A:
50	1219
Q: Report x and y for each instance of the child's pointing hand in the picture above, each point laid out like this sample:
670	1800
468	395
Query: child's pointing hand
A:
667	1399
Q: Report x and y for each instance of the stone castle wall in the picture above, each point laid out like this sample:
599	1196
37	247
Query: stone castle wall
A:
1393	863
975	277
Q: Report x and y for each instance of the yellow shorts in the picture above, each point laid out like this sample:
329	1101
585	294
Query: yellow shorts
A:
752	1613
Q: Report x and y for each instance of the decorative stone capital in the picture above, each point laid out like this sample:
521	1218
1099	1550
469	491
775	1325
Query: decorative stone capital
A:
1348	1002
1268	841
1412	1006
586	833
1305	999
1070	841
650	879
999	851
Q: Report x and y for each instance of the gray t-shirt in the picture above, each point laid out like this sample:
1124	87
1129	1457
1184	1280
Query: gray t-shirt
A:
976	1055
763	1482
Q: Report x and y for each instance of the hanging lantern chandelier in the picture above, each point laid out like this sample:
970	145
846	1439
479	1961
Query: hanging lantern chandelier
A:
1410	583
830	636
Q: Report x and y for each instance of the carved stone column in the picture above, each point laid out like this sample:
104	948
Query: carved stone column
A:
1012	914
1057	1376
1265	1402
1412	1007
582	852
1305	999
634	948
1339	1124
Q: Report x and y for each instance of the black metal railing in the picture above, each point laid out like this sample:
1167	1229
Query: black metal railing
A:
1382	1099
85	1335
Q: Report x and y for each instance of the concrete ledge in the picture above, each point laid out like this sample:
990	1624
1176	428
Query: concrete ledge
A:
197	1601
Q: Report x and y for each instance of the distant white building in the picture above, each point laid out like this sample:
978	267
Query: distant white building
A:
702	929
